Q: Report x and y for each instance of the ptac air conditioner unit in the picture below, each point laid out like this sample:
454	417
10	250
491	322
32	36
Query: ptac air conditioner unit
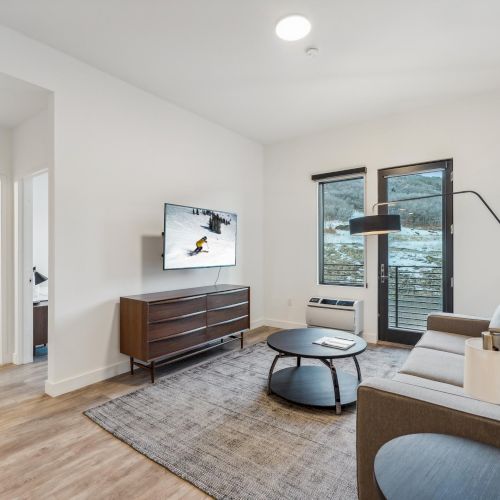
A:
338	314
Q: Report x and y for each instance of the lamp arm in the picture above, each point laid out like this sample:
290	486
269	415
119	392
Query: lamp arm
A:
381	203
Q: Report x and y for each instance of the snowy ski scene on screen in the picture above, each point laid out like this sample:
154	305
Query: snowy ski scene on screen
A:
198	237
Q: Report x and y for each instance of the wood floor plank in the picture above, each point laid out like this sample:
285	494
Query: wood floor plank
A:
49	449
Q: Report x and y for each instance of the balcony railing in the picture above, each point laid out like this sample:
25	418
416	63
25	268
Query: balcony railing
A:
344	274
414	292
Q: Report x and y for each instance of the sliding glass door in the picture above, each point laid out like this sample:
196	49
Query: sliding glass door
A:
416	264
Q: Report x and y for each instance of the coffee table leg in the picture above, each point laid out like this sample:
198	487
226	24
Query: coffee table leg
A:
358	369
336	389
271	373
298	360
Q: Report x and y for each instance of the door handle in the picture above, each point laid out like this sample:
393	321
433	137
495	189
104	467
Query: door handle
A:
382	275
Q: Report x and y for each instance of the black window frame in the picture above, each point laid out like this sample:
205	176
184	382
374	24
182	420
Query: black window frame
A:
347	175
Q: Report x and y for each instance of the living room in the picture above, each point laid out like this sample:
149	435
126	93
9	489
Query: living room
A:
214	108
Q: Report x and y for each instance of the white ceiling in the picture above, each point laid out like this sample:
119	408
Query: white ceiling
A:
19	100
221	59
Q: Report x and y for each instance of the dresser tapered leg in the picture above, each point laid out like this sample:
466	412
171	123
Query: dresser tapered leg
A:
152	372
241	340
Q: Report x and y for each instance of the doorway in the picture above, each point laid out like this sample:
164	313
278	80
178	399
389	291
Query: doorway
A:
26	166
415	269
32	268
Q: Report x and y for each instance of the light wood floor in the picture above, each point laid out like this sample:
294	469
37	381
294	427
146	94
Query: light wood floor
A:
49	449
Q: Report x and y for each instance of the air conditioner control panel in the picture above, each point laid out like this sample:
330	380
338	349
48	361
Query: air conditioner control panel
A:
332	302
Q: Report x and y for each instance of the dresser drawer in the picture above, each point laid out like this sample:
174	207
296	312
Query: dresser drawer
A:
174	326
227	313
222	299
228	327
178	307
176	343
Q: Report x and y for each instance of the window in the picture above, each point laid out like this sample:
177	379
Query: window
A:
341	256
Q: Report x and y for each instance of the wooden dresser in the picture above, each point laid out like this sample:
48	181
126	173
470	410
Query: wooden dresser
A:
157	328
40	324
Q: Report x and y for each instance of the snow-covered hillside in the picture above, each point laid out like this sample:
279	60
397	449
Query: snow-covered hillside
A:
410	247
183	229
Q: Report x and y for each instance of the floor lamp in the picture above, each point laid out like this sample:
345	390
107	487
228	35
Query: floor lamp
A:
390	223
481	361
378	224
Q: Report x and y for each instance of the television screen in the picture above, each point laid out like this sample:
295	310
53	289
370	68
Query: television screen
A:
198	237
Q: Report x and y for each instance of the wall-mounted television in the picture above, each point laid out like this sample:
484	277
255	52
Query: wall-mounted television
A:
198	237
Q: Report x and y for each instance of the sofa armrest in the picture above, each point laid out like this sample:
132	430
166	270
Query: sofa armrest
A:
471	326
387	409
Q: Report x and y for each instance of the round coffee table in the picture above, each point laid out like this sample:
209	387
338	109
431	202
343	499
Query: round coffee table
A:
314	385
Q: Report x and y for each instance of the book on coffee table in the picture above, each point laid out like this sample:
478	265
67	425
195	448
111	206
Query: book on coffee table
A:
335	342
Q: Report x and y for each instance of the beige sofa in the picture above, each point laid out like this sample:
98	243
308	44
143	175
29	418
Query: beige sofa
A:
425	396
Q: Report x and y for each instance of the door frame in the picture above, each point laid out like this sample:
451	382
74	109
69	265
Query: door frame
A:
6	270
23	267
411	337
23	270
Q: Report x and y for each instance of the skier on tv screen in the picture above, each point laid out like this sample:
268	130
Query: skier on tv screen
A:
199	245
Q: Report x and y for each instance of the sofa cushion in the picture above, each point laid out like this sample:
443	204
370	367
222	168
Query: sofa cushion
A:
495	321
429	384
436	365
443	341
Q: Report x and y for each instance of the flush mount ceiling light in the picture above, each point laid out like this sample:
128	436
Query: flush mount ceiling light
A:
293	28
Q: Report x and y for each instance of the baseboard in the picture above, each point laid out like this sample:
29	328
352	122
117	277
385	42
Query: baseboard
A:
278	323
7	359
71	384
257	323
371	338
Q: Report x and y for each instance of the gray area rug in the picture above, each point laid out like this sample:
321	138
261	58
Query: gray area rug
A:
214	425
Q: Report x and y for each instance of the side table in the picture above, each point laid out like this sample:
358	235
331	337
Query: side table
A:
437	466
481	372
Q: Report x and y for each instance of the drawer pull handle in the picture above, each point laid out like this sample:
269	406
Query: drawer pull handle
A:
229	291
178	334
173	301
229	306
230	320
177	317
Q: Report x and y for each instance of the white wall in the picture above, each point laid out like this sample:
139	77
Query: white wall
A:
118	154
467	132
5	151
31	142
6	272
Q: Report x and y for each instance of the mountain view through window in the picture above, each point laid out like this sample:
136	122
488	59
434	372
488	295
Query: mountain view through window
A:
341	255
